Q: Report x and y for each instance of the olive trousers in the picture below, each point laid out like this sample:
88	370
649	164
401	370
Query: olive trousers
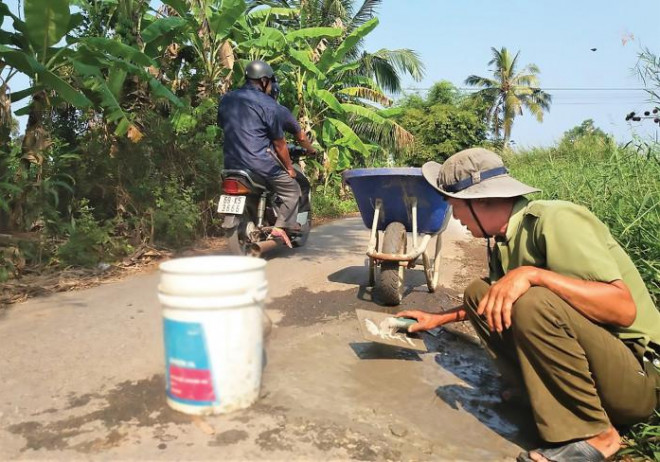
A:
580	378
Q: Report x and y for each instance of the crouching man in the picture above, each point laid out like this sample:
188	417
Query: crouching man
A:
564	312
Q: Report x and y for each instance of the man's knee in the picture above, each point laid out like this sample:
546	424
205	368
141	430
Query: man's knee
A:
535	309
474	293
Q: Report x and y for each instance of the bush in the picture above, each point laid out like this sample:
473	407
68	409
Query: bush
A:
332	204
90	242
176	215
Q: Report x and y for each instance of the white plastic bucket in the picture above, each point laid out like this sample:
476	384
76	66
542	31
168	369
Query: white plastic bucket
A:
213	332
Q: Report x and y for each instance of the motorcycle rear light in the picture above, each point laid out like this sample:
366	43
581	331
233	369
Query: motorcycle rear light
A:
234	187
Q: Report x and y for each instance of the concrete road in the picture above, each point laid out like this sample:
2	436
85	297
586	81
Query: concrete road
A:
81	373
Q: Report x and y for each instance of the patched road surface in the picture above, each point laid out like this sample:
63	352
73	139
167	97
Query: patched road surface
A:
81	373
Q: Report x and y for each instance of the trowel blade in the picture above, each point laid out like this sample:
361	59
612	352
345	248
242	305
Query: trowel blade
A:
373	326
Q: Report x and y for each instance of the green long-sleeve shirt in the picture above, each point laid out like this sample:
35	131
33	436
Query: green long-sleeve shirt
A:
570	240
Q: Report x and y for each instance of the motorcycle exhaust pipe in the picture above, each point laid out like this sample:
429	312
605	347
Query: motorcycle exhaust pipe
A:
260	247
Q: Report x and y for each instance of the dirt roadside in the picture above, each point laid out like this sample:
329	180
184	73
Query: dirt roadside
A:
42	281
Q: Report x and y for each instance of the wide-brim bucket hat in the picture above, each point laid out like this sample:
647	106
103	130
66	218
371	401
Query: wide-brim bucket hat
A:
474	173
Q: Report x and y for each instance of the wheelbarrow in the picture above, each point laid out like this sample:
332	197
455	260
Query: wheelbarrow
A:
394	202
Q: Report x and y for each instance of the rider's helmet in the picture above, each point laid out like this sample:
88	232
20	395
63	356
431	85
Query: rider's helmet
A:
258	70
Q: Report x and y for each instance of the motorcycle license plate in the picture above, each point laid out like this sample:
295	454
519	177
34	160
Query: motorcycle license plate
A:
231	204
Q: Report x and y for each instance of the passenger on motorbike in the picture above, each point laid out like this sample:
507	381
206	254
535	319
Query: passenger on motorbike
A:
291	125
254	140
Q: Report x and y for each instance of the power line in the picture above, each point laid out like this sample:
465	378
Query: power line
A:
545	89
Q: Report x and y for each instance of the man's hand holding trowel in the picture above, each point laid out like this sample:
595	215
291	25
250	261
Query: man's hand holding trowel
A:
428	321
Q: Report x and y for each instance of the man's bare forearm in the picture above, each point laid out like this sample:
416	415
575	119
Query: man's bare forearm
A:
282	152
603	302
302	139
453	315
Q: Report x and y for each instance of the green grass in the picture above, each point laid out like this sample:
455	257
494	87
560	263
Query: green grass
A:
621	185
331	205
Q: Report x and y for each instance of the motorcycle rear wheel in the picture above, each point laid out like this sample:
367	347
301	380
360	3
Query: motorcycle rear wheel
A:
238	238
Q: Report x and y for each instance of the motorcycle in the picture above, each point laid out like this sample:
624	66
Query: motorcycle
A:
247	205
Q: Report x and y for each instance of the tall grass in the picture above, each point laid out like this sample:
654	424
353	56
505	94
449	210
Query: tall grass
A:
621	185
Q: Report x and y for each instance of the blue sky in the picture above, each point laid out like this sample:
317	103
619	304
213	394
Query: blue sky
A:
454	39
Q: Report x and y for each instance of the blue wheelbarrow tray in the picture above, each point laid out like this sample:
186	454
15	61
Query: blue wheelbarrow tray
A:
400	195
396	188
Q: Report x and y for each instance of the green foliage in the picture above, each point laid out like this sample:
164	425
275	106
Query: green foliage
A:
46	21
443	123
331	203
643	441
176	215
122	146
88	240
585	129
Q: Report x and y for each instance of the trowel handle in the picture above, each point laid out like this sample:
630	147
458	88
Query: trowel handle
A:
402	323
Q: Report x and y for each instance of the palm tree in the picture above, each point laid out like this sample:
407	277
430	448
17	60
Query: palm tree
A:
509	91
384	66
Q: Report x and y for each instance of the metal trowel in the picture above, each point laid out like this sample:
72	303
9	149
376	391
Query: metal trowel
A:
385	328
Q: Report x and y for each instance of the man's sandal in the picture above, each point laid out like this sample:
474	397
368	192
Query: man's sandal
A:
279	233
580	451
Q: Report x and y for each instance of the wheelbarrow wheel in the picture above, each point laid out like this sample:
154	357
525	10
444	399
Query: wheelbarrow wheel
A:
389	284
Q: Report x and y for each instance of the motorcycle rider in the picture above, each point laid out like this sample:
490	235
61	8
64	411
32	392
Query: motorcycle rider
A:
254	140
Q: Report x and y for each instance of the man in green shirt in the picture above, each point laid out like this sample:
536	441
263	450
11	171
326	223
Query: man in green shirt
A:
564	311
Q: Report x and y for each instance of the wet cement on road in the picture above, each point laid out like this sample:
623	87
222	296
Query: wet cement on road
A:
129	404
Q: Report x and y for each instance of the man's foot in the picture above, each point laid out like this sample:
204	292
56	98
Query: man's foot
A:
598	448
279	233
295	229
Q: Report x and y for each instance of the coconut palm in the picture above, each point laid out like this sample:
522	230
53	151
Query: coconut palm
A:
385	66
508	91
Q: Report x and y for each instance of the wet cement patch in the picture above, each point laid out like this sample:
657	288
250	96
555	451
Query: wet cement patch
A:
479	391
140	404
303	308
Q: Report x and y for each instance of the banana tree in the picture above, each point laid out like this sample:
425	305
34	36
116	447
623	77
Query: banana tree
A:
346	110
197	28
86	73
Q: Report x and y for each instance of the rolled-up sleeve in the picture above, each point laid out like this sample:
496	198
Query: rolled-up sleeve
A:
289	122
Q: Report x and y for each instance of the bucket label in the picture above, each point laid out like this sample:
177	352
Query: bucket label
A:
189	378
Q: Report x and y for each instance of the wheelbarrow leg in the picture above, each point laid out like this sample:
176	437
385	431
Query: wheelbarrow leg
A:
373	263
373	244
432	273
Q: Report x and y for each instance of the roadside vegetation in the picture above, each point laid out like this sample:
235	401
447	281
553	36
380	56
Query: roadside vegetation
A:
121	151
